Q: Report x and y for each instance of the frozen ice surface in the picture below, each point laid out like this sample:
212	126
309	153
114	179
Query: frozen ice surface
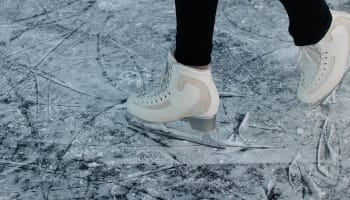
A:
67	67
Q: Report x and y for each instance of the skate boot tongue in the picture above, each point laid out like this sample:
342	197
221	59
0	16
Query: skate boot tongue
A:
309	60
164	85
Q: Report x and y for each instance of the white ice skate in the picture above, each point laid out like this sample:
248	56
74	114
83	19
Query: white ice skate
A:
184	93
325	64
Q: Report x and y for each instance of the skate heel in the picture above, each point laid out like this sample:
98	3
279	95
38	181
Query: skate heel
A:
202	124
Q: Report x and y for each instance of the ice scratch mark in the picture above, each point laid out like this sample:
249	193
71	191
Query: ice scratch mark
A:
57	81
331	99
50	52
45	10
224	95
36	45
99	62
48	99
139	127
202	139
205	140
30	17
36	80
69	66
327	158
270	190
93	118
244	126
150	172
292	164
19	32
24	106
17	165
159	141
118	191
310	189
57	45
237	138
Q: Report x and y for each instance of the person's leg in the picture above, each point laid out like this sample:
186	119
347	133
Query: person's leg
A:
309	20
324	40
195	27
187	90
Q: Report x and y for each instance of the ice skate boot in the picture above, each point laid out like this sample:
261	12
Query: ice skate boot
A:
184	93
324	65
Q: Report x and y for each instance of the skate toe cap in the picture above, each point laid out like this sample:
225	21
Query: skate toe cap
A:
133	107
131	102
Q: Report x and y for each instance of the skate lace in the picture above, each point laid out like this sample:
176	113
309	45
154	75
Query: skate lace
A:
165	83
313	58
162	91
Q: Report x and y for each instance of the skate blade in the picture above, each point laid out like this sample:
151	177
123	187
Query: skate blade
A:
202	124
176	133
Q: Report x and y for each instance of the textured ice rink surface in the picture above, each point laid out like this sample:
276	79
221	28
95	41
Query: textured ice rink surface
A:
67	67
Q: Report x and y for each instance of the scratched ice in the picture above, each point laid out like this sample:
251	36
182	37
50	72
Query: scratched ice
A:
67	67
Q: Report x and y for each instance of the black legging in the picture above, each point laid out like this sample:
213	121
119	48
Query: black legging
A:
309	22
